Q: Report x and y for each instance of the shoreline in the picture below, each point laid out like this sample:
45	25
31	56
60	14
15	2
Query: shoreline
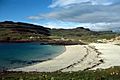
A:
79	58
45	42
45	53
75	58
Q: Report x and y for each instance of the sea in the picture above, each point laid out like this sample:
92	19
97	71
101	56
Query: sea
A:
16	55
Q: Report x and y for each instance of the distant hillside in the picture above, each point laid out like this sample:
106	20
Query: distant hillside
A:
10	31
18	30
81	33
75	32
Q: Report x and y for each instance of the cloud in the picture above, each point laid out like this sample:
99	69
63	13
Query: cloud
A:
84	13
33	17
94	27
64	3
95	14
61	24
104	26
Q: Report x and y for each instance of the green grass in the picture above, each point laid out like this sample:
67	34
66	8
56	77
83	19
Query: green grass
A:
100	74
82	34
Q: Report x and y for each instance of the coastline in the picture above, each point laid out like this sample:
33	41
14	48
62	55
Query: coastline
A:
75	58
45	42
79	58
26	54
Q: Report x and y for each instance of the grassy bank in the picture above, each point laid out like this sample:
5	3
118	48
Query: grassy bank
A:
112	73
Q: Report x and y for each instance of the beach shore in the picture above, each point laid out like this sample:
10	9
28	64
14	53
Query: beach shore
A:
110	54
80	57
76	57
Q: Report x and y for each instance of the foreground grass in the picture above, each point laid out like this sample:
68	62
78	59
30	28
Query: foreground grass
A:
100	74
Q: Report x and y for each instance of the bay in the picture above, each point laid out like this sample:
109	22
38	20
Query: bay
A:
15	55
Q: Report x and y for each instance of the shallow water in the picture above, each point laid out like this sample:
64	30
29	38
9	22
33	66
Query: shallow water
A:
13	55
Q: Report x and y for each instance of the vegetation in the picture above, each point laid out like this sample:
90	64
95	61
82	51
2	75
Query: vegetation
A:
19	31
83	34
112	73
11	31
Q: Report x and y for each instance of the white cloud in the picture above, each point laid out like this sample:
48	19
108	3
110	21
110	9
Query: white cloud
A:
64	3
61	24
84	14
93	26
104	26
33	17
93	14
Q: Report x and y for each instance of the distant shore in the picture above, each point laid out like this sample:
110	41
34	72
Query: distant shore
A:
51	42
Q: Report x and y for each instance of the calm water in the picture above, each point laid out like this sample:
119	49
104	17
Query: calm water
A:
14	55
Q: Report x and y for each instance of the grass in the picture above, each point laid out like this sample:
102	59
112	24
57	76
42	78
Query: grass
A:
112	73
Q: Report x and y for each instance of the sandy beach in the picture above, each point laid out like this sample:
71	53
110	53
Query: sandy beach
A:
80	57
110	54
76	57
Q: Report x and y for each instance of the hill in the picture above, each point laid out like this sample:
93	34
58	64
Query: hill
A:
81	33
19	31
22	31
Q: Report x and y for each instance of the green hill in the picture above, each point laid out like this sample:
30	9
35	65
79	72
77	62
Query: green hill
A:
83	34
12	31
18	31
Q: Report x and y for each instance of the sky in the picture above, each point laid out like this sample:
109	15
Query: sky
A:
94	14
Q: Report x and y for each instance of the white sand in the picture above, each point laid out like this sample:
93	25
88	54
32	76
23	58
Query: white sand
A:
110	54
80	57
73	54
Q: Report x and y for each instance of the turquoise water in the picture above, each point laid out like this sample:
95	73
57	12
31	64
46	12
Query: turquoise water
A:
13	55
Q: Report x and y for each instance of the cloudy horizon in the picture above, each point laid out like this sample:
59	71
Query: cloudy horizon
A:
93	14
